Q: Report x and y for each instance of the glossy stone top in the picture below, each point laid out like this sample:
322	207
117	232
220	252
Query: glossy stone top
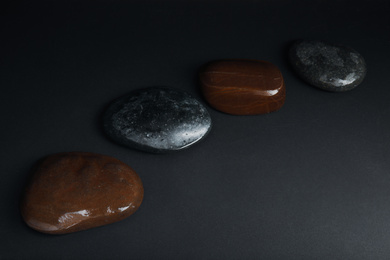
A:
157	120
328	66
243	87
75	191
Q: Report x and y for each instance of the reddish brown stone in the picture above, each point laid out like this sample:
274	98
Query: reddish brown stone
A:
243	87
76	191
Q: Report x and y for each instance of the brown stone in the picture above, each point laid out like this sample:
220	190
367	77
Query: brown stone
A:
243	87
76	191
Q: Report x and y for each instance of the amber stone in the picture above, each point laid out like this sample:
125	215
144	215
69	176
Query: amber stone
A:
243	87
75	191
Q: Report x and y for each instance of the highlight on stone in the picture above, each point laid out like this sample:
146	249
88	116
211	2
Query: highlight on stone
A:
157	120
327	66
75	191
243	87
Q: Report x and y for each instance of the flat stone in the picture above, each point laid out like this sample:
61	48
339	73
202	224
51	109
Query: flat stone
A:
157	120
243	87
327	66
75	191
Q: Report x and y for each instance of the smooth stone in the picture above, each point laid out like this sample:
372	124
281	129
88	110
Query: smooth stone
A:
75	191
157	120
243	87
327	66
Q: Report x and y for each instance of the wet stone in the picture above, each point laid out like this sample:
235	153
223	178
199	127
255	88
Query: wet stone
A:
243	87
156	120
75	191
327	66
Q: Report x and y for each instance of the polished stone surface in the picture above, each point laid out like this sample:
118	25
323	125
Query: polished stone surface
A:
243	87
327	66
75	191
157	120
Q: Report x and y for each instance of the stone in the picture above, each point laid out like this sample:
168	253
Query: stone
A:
75	191
327	66
157	120
243	87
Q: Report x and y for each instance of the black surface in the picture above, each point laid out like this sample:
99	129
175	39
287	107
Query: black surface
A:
310	181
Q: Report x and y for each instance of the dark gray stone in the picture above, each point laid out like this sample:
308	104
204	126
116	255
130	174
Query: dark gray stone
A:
327	66
157	120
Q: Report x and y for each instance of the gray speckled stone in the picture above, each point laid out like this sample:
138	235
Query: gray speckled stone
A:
157	120
327	66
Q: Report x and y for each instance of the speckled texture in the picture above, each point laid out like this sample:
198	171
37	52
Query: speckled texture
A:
75	191
328	66
157	120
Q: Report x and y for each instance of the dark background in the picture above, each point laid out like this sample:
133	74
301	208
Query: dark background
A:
310	181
